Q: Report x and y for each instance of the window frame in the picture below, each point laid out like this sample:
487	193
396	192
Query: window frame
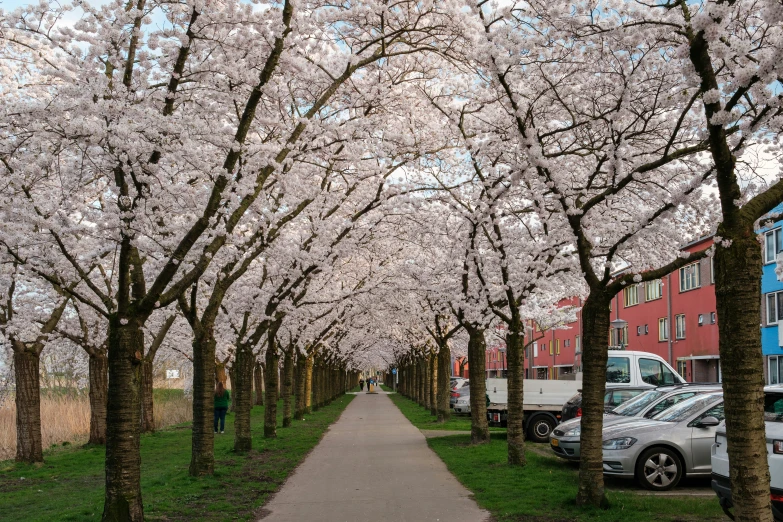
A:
777	301
663	329
679	334
777	237
656	284
685	275
627	294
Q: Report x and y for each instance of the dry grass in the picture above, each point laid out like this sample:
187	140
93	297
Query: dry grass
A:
66	418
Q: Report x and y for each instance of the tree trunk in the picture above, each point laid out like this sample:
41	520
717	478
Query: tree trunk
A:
123	422
425	380
433	387
444	383
738	292
595	345
202	459
516	374
147	413
29	446
301	386
99	390
477	347
242	395
232	377
308	390
288	386
272	377
259	384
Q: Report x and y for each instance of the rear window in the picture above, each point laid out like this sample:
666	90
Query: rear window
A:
638	403
773	407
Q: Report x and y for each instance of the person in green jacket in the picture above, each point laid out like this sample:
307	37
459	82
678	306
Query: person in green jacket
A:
222	398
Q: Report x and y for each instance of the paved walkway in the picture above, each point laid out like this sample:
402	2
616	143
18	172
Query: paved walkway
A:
373	465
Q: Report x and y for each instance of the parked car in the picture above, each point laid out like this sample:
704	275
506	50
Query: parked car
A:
773	421
658	452
461	403
565	442
613	397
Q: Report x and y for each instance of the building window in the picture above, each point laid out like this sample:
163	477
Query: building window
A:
774	307
646	330
775	370
653	290
577	346
682	369
557	346
663	329
535	349
542	373
551	350
620	336
567	343
679	323
713	317
690	277
638	330
712	270
773	243
701	319
631	295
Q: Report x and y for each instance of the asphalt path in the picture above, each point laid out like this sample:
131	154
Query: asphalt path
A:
372	465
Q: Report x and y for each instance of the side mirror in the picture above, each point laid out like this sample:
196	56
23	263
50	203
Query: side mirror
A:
707	422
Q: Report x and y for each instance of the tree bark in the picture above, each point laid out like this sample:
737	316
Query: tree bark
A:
232	378
272	378
99	391
516	374
301	386
425	379
29	446
259	383
242	394
595	345
477	347
202	459
738	271
444	383
433	387
147	408
309	384
123	422
288	386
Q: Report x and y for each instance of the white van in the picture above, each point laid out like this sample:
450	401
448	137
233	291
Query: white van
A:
544	399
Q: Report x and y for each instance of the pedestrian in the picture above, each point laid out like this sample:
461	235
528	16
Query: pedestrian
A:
222	397
361	384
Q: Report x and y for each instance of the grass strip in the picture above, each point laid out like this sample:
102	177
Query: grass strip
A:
545	489
422	419
68	486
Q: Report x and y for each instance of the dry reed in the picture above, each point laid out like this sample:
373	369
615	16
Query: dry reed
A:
66	418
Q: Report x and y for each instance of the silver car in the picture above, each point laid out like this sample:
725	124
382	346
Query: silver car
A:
565	439
658	452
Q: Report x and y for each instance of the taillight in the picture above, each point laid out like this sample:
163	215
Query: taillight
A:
454	394
776	497
579	412
777	447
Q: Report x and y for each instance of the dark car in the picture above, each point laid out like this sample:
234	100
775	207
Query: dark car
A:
614	396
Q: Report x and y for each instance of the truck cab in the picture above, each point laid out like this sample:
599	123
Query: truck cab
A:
544	399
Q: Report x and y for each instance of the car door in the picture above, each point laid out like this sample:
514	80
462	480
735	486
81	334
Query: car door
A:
702	440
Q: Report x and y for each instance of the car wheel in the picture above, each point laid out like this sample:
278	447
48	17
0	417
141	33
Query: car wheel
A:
659	469
540	428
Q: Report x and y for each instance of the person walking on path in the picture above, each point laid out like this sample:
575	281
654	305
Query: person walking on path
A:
222	398
361	384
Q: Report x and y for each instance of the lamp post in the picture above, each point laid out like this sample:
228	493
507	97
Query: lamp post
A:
502	362
618	325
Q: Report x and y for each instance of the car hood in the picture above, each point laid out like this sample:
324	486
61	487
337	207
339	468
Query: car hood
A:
634	427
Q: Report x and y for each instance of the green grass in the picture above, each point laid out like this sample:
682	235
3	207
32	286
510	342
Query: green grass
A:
69	485
545	489
167	394
386	388
422	419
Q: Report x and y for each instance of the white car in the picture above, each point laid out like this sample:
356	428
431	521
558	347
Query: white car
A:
773	417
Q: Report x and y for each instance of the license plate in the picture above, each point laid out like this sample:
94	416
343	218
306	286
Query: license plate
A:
554	442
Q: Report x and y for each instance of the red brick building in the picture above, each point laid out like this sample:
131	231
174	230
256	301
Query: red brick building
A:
674	317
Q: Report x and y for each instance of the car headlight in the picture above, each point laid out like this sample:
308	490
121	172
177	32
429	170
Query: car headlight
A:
619	444
575	432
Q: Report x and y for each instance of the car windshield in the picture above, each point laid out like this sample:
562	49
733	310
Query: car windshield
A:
773	407
638	403
689	407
